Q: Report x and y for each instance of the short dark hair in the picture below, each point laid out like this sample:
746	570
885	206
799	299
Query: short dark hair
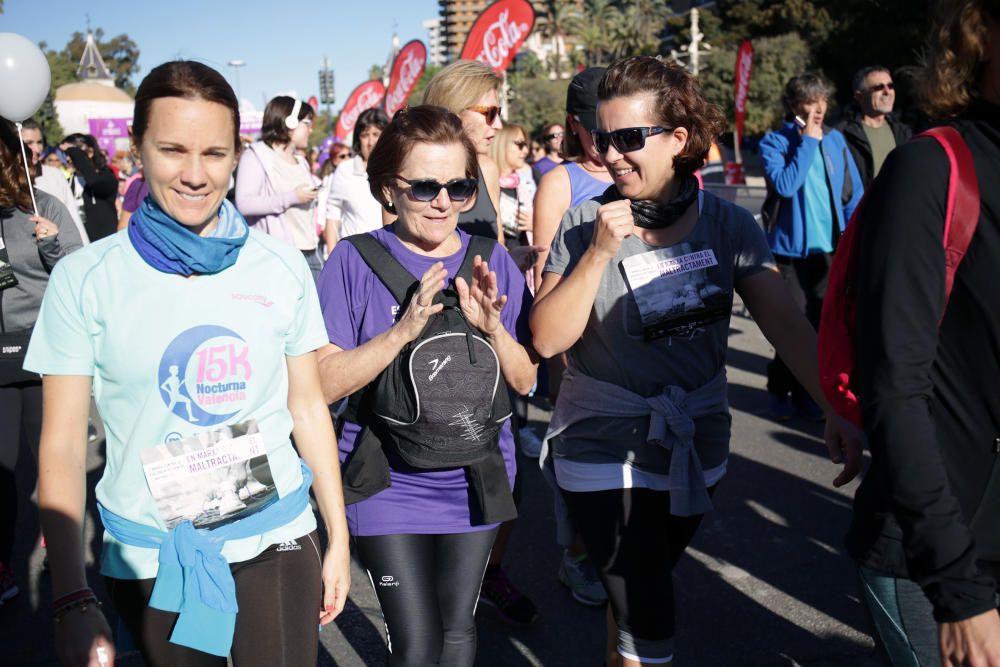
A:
368	118
80	140
424	124
273	129
31	124
677	102
858	82
189	80
805	88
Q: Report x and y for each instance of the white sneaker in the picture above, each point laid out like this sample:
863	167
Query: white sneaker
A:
531	444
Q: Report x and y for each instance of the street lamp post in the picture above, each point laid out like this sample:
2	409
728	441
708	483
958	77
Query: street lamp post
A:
236	65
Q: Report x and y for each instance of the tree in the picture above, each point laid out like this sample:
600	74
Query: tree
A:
556	18
63	71
536	102
376	73
417	96
594	28
120	54
775	61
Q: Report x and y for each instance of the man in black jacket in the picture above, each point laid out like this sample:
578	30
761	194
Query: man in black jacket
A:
871	130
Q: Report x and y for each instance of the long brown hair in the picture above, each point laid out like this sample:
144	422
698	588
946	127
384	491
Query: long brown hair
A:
14	187
953	66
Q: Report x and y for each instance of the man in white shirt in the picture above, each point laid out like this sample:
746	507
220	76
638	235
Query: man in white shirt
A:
50	180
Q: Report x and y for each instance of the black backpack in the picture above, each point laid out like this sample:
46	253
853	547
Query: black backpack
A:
442	401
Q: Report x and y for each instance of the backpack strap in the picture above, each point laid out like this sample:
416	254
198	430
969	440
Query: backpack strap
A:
962	211
478	245
393	275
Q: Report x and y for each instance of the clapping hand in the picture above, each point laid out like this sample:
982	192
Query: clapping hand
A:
481	302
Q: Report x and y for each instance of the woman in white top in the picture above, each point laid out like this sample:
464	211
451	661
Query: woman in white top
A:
351	208
275	189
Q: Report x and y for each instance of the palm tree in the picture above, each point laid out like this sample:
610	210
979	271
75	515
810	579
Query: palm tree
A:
595	27
556	18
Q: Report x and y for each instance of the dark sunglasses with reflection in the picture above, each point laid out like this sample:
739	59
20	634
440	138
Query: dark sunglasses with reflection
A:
425	189
626	139
879	87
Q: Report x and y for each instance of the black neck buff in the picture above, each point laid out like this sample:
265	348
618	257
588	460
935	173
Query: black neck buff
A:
657	215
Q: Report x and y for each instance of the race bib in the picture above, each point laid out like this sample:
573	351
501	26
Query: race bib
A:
673	291
210	478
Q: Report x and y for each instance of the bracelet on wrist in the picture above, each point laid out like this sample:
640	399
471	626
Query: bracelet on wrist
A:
79	594
83	604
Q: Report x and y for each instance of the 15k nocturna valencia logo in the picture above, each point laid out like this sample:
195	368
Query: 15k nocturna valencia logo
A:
204	373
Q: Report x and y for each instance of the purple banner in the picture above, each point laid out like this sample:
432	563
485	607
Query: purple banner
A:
111	134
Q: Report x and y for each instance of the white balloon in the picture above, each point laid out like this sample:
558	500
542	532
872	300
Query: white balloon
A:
24	77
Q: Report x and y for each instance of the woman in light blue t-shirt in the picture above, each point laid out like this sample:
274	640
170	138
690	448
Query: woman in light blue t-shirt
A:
199	338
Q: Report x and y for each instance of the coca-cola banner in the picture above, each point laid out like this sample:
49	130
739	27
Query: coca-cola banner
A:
366	96
406	70
499	32
744	63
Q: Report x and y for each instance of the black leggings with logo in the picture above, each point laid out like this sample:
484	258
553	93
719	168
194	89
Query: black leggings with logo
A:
428	586
279	593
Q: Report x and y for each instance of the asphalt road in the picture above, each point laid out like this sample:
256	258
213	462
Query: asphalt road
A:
764	583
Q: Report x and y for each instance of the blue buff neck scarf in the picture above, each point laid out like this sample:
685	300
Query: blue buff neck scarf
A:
170	247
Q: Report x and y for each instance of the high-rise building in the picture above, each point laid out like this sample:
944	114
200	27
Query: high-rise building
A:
437	52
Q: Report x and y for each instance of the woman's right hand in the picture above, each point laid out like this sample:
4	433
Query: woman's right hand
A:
306	193
83	639
614	223
420	307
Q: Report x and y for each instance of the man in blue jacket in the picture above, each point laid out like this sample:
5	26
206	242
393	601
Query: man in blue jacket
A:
814	186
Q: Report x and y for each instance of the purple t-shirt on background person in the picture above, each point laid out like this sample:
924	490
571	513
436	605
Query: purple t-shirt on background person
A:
357	307
136	192
545	165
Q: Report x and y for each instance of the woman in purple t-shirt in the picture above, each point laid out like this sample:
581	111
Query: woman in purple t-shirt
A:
424	548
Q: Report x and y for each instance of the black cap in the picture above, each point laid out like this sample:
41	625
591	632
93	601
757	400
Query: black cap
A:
581	97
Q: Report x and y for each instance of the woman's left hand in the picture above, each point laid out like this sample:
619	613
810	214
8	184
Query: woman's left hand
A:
524	222
336	580
846	444
44	228
481	302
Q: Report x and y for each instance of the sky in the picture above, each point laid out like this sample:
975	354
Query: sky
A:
282	43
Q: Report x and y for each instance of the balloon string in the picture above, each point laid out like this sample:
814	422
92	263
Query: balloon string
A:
27	168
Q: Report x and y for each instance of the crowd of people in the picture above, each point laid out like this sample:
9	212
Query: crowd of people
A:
295	362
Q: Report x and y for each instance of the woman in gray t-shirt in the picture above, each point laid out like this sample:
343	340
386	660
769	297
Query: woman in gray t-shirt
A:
638	290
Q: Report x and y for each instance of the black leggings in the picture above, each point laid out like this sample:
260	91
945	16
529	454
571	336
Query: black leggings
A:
20	424
428	586
635	542
279	593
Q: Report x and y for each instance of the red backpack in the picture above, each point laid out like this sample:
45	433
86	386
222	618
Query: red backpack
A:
836	348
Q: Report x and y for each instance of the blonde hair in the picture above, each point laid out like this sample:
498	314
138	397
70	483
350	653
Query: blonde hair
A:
498	149
460	85
953	66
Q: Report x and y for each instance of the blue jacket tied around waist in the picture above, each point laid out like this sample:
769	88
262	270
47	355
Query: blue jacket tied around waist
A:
194	580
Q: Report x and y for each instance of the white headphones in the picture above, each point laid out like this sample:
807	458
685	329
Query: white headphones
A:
292	121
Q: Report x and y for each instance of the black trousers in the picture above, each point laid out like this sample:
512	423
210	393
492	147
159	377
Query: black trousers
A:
806	278
20	427
279	593
428	587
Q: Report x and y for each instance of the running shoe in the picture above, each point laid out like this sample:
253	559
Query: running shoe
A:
580	576
531	444
8	589
512	605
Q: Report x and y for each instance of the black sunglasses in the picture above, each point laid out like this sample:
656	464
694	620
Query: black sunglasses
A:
520	144
879	87
626	139
459	189
554	135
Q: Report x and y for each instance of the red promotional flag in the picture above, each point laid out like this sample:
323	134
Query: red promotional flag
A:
366	96
406	70
313	102
744	63
499	32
